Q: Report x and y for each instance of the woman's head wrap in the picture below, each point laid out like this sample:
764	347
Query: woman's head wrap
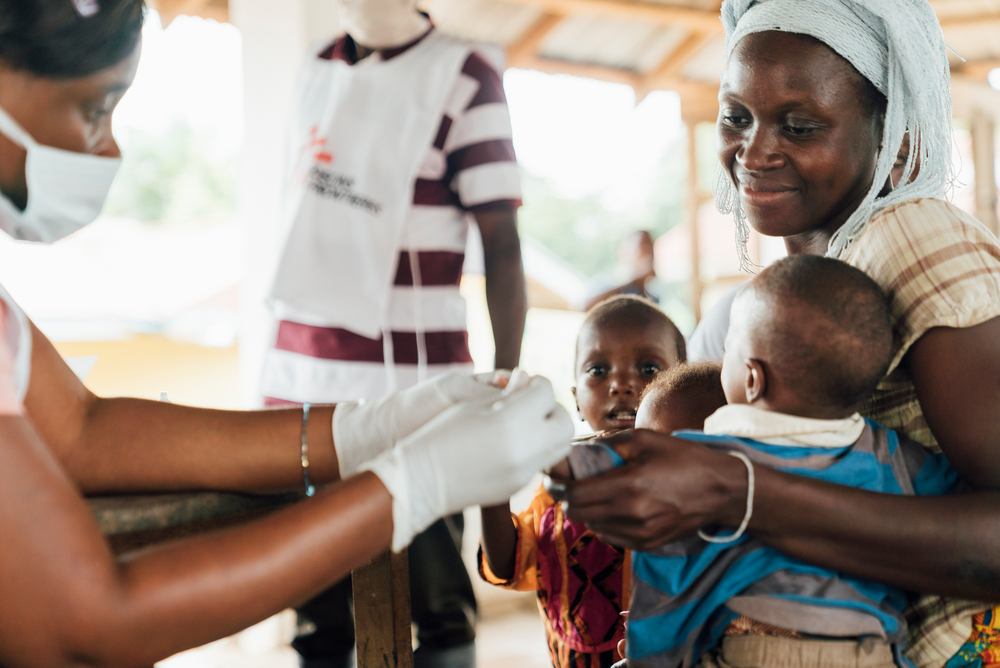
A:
898	46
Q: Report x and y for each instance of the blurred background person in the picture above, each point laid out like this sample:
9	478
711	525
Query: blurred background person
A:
635	273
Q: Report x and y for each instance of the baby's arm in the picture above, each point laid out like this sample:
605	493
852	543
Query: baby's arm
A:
499	533
499	540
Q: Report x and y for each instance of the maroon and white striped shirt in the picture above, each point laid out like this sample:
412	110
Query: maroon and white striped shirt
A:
470	167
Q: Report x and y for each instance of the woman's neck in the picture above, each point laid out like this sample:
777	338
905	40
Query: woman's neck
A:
814	242
817	241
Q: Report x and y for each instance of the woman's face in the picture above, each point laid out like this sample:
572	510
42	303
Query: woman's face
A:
71	114
795	134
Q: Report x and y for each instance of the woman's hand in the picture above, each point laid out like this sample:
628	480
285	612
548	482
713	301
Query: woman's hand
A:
669	488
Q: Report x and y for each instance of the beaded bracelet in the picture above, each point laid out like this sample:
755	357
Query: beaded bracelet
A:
746	518
310	490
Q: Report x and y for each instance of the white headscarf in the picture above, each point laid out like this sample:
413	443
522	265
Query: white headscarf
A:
898	46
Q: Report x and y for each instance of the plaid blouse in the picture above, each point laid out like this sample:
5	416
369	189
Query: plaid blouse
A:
939	267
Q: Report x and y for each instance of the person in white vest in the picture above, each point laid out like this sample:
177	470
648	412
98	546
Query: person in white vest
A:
400	137
390	467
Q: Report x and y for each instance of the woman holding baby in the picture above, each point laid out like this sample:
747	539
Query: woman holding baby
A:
817	96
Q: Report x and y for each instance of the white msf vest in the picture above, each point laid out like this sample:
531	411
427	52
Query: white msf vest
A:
363	131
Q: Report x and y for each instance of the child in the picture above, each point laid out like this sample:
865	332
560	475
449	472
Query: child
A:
622	345
682	398
809	340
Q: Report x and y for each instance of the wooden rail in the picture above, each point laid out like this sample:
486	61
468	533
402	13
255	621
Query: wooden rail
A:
381	589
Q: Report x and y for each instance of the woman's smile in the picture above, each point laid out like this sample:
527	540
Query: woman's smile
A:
764	194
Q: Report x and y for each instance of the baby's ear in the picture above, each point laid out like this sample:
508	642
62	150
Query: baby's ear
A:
756	381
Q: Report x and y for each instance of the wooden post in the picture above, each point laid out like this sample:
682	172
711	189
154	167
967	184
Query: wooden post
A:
693	201
984	160
382	612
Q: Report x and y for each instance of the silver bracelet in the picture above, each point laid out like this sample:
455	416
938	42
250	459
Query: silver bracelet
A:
746	518
310	490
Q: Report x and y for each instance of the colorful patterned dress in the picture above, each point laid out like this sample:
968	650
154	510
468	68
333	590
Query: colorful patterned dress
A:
578	581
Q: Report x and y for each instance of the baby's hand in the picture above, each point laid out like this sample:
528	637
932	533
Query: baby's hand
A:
561	471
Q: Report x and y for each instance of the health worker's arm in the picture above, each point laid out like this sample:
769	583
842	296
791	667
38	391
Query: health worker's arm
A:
131	445
65	601
506	295
948	545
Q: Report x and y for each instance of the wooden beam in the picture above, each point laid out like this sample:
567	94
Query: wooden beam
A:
968	20
983	130
692	19
382	612
691	208
699	100
669	71
552	66
527	45
976	69
971	96
171	9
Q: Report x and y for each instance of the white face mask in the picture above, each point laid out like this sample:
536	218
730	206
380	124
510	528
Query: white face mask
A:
66	190
381	24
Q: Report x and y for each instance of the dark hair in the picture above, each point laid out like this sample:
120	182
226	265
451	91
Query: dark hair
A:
828	331
690	392
631	311
57	39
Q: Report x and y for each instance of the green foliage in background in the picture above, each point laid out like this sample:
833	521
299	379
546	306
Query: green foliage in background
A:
584	233
172	176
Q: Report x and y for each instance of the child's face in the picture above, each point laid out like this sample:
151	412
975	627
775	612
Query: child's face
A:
614	365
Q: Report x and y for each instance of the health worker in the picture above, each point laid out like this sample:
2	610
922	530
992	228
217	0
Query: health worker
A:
399	463
400	143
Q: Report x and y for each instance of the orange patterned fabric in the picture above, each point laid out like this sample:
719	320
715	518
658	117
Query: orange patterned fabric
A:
982	650
581	584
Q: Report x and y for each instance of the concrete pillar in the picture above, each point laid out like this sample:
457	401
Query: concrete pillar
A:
693	201
276	36
983	128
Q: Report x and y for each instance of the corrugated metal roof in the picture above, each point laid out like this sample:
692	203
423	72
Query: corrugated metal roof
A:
653	44
623	44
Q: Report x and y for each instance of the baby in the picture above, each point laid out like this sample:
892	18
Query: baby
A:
582	583
809	340
682	398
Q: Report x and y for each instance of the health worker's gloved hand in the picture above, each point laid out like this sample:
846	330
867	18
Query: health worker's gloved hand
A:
476	452
362	430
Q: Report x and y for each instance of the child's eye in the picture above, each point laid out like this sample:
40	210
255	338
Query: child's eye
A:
651	369
596	371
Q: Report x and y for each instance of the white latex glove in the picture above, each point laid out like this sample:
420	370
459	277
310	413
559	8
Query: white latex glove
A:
476	452
362	430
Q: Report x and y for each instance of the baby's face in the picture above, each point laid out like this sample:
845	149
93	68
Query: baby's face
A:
614	365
